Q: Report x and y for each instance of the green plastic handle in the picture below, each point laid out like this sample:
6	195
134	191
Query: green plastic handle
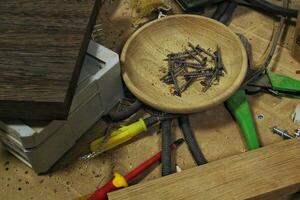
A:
283	83
239	108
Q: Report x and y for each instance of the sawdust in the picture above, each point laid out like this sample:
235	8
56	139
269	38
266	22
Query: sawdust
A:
142	10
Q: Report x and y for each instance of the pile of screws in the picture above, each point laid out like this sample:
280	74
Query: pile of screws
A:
191	65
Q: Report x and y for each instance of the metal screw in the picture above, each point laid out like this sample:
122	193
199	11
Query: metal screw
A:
199	74
196	58
297	133
218	59
187	84
167	78
261	116
209	80
190	64
196	50
204	51
181	55
178	64
177	89
282	133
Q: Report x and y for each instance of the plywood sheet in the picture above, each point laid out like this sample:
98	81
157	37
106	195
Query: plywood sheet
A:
42	46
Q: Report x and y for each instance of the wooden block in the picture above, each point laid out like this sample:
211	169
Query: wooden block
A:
296	45
42	46
266	173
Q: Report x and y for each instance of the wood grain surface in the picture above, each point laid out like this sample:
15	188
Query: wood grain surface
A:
296	45
42	46
143	62
261	174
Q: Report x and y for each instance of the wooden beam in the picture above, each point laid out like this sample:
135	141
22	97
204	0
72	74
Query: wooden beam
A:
266	173
296	44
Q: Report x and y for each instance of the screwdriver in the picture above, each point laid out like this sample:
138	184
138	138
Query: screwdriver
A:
124	134
119	181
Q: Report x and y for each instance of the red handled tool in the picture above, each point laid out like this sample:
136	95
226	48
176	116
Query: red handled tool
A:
119	181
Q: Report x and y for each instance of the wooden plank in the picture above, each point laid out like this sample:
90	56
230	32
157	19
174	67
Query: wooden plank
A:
261	174
296	44
42	46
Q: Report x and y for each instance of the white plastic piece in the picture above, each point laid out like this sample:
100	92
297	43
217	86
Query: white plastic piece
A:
296	114
178	169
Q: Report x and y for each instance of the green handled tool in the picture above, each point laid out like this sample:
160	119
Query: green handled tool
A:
275	84
239	107
260	81
238	104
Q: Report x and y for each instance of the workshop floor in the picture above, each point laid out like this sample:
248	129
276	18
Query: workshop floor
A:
216	132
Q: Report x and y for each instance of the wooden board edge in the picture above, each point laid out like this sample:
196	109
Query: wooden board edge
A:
266	173
296	43
83	49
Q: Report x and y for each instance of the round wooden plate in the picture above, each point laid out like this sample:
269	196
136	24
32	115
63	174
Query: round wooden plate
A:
143	62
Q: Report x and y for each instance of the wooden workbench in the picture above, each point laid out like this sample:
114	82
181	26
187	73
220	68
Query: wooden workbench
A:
216	132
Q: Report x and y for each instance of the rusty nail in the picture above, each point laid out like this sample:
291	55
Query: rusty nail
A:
177	89
197	59
204	51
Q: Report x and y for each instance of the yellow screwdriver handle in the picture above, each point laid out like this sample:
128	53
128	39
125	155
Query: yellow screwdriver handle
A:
119	136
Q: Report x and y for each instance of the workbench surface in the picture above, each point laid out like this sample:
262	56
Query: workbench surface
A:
216	132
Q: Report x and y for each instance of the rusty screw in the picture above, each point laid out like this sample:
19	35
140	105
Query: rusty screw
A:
181	64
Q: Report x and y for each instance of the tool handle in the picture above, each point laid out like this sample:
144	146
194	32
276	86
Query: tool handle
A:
238	106
283	83
101	194
142	167
119	136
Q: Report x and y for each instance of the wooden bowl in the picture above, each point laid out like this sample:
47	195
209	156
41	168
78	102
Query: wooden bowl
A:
143	64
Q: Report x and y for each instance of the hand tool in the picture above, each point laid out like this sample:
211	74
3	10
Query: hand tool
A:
239	108
275	84
257	81
124	134
119	181
238	105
